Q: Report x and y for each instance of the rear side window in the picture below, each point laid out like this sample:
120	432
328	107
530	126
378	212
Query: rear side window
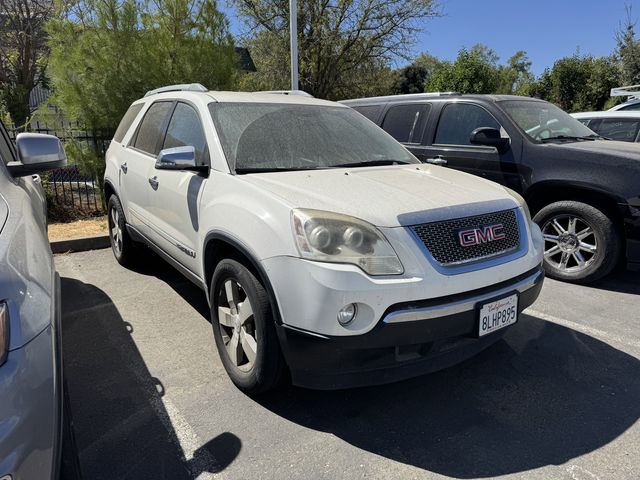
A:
623	129
369	111
405	122
631	107
152	128
185	129
126	122
458	120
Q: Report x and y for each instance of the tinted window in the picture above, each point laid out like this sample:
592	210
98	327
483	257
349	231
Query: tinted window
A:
624	129
126	122
458	121
151	127
630	107
369	111
405	122
185	129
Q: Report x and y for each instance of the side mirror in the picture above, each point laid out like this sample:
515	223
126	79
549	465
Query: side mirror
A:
489	137
179	158
37	153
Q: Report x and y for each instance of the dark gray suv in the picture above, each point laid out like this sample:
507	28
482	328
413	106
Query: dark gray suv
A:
583	190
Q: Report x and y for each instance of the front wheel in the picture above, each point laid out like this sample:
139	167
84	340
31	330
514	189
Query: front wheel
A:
581	243
244	328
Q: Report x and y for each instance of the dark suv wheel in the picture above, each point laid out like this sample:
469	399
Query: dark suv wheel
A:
581	243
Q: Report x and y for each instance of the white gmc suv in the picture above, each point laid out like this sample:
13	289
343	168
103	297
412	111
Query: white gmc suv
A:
326	250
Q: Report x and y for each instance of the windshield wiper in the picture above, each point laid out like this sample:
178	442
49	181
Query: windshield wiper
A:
572	137
372	163
272	169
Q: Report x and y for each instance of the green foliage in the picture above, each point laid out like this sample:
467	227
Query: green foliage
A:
107	53
579	83
345	47
412	78
628	52
473	71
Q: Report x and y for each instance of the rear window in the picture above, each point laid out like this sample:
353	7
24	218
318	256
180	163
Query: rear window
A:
126	122
152	127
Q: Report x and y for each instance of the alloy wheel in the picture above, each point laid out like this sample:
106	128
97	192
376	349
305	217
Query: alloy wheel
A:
116	230
570	243
237	325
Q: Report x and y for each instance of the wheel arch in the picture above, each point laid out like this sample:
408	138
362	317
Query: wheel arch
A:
219	245
108	191
542	194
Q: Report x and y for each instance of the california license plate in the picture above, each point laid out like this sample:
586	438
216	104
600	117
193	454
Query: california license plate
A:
498	314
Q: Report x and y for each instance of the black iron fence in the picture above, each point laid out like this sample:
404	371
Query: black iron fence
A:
72	189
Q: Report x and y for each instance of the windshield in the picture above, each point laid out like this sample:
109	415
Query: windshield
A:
268	137
543	120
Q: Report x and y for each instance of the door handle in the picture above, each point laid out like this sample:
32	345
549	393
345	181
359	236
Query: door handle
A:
154	182
124	167
437	160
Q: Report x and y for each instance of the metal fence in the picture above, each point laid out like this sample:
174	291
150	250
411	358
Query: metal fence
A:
70	187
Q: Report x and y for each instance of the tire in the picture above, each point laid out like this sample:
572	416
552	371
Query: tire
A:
256	364
582	244
121	244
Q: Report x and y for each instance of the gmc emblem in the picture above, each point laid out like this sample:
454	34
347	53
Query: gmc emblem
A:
476	236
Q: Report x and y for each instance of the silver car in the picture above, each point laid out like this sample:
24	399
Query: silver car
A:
30	351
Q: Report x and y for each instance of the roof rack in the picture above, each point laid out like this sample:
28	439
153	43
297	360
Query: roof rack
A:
406	96
629	91
301	93
184	87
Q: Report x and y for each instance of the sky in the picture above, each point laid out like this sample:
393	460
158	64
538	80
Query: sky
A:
546	29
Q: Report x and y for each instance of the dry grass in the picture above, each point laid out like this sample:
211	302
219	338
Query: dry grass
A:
80	228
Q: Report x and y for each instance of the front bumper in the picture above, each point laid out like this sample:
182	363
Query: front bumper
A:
632	233
410	339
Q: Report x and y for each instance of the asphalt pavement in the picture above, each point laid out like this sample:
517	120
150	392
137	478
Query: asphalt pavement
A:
557	398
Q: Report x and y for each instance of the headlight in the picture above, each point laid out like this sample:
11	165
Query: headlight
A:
332	237
4	332
521	201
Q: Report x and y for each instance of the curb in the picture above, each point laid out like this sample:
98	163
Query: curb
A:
80	244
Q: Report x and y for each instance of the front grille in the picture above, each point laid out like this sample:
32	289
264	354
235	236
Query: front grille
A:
443	242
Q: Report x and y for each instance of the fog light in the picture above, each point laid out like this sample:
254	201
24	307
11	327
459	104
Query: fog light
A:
347	314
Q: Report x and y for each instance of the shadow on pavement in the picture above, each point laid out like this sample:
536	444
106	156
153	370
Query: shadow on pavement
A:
542	396
122	427
621	281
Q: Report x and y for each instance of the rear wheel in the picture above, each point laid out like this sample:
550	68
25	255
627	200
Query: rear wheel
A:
244	328
581	243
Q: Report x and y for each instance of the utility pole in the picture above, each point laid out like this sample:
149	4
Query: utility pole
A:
293	36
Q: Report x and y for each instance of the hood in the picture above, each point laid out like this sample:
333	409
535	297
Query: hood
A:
627	150
387	196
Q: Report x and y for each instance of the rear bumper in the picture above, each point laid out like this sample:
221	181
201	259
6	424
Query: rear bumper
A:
410	339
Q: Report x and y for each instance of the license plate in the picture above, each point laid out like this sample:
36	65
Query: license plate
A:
498	314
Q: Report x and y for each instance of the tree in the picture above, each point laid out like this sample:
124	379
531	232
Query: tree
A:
473	71
628	52
23	53
344	46
107	53
516	76
412	78
578	83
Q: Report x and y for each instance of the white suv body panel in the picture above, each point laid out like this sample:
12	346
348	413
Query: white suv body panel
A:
254	211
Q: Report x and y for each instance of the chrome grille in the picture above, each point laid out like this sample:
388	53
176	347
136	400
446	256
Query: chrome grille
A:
442	239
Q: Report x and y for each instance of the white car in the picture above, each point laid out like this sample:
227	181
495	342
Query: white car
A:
623	126
325	248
